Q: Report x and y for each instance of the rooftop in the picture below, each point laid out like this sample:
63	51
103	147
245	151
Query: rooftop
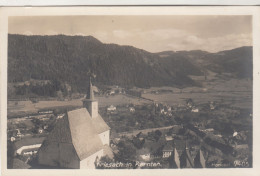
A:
79	130
28	141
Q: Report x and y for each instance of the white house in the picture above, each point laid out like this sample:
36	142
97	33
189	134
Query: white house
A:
78	140
195	110
111	108
167	150
132	109
144	154
28	145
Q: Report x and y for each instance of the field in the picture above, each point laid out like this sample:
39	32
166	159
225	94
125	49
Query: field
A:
237	93
217	88
22	108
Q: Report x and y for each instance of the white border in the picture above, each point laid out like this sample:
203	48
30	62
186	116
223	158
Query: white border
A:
124	2
57	11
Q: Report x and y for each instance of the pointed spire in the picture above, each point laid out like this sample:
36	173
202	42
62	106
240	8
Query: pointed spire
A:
90	93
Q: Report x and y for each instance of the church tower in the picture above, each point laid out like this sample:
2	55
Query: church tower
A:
90	102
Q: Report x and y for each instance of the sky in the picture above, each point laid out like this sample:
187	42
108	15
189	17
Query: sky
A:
152	33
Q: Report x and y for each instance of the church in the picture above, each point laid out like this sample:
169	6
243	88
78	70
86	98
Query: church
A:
78	140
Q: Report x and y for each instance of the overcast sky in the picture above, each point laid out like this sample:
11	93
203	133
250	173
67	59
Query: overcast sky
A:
151	33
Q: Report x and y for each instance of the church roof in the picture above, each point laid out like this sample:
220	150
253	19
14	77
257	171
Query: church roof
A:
100	124
79	130
84	135
199	160
61	132
186	159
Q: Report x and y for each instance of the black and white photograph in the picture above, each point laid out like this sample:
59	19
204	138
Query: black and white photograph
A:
127	92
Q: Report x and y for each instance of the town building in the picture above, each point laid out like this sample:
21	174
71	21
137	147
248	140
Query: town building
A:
186	161
132	109
111	108
79	139
167	150
144	154
28	146
199	160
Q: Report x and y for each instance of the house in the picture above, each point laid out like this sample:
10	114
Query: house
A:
144	153
19	134
168	138
182	152
194	110
162	111
141	135
235	134
174	159
12	139
212	105
40	130
186	161
199	160
132	109
167	150
78	140
189	103
111	108
112	92
59	116
209	130
45	127
28	146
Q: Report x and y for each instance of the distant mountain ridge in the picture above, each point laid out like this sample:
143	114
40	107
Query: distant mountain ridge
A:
72	58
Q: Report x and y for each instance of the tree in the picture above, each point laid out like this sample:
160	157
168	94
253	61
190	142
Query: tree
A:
127	151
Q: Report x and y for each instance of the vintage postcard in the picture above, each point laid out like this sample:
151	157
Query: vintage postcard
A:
130	90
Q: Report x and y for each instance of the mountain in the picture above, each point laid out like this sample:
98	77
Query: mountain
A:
71	59
238	61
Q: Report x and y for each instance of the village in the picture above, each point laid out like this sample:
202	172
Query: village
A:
189	135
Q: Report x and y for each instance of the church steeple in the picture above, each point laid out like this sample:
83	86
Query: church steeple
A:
90	93
90	102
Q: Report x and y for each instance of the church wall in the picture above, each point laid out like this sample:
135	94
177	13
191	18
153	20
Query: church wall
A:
89	162
105	137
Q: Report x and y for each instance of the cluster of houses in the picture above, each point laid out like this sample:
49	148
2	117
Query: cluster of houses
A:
163	109
193	108
168	147
114	90
176	152
113	108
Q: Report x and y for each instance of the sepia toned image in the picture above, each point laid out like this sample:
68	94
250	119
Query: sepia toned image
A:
130	92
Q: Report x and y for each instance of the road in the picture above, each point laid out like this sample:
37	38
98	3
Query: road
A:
145	131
